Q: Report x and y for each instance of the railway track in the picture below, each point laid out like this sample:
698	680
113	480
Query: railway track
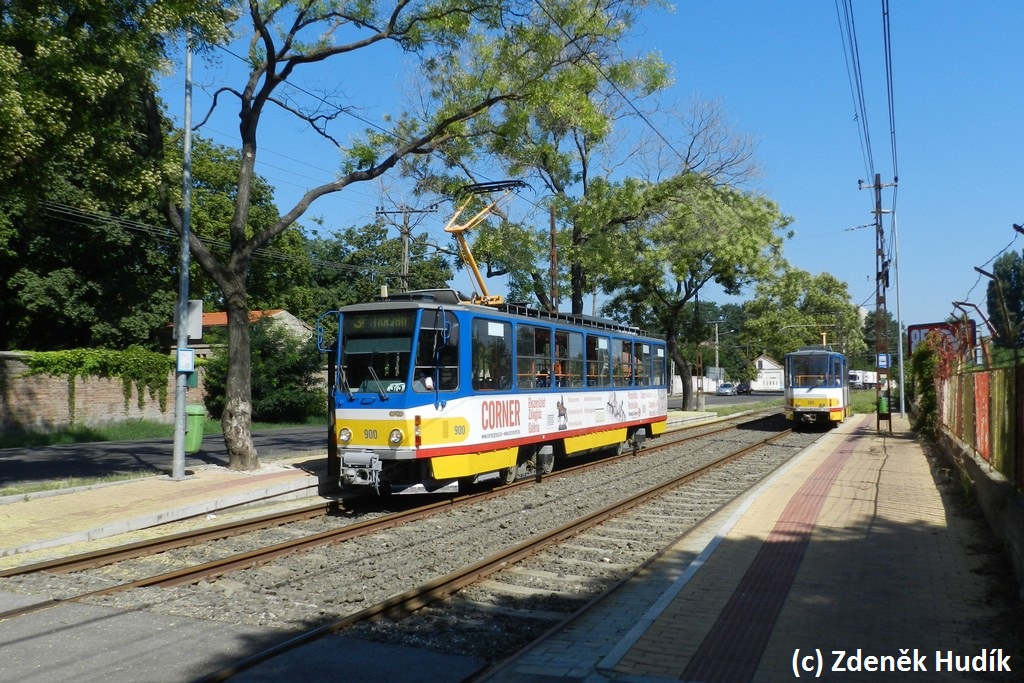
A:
153	546
237	561
536	585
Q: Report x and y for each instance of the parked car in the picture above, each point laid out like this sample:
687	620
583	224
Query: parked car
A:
743	388
726	389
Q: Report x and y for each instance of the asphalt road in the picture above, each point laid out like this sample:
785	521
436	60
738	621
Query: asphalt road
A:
102	459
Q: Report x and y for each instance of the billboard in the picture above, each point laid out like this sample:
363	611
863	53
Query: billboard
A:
956	331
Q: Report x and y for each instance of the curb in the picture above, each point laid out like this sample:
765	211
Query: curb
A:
300	487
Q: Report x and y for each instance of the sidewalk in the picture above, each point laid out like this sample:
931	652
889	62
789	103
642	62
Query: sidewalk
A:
851	547
58	518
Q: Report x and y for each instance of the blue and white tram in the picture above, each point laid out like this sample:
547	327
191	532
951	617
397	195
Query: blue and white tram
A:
816	390
427	389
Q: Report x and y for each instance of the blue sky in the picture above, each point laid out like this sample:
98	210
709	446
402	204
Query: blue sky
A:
779	70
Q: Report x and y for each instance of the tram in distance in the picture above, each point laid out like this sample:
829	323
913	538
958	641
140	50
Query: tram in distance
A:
430	391
816	390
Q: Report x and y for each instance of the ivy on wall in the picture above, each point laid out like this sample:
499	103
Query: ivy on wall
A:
146	371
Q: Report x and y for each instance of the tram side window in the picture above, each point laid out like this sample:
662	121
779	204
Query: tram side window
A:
622	362
643	364
598	366
436	359
533	357
568	365
837	371
492	355
658	376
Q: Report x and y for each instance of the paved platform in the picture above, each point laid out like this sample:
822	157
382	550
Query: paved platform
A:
53	520
849	549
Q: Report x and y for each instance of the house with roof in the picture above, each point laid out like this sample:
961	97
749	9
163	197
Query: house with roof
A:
219	320
769	375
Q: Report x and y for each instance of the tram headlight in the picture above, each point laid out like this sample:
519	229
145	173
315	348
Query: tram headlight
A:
396	437
344	435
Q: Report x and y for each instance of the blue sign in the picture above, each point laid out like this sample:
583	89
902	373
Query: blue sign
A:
883	360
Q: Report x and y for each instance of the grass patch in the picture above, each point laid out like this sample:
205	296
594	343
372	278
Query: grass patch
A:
863	401
133	430
722	411
866	401
70	483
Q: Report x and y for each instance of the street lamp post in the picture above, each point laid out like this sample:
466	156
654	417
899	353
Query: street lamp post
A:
1011	330
992	331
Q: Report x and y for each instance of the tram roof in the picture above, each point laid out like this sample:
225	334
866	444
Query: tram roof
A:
814	350
453	297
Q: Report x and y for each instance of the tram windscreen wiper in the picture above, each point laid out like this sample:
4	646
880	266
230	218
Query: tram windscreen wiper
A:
376	380
346	387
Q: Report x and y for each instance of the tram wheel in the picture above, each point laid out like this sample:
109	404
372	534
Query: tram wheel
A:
510	474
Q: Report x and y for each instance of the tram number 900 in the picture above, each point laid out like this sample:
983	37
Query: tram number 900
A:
370	434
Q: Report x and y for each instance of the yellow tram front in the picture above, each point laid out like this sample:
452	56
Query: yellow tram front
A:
816	390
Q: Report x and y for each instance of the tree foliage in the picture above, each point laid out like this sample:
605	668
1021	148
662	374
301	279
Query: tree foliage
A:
278	267
351	265
75	140
799	309
869	330
709	234
1004	298
286	383
472	58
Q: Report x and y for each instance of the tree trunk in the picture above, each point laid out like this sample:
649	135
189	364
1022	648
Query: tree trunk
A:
237	418
685	372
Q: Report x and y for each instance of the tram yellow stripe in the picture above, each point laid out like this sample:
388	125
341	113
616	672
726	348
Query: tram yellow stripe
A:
467	464
611	437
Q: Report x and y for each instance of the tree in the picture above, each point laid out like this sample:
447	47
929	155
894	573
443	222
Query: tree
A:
1004	299
796	309
473	58
75	146
277	267
286	385
870	333
351	265
709	234
569	148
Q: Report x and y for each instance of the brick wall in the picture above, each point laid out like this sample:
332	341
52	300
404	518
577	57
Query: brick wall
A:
41	402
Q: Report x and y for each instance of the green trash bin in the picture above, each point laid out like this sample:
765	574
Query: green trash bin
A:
883	405
195	417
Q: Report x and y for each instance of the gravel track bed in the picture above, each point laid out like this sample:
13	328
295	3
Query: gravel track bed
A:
310	588
518	604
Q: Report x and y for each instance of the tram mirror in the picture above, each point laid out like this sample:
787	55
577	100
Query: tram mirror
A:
453	334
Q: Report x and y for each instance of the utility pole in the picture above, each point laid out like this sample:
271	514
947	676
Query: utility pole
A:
883	394
718	369
404	229
553	276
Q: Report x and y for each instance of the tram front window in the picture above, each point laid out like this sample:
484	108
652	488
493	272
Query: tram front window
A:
808	371
376	351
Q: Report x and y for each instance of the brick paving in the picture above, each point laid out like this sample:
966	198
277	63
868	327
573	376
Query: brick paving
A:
873	562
